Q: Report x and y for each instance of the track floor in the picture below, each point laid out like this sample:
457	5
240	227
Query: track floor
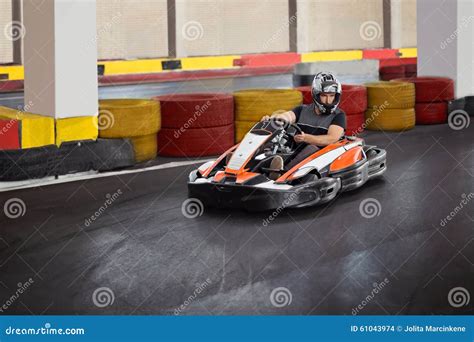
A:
331	259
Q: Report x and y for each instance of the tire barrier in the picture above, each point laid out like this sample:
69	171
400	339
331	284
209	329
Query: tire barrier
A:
431	89
71	157
195	124
431	113
126	118
195	142
391	95
411	70
355	123
388	73
145	147
432	96
461	104
31	163
391	106
196	110
253	104
100	155
353	99
136	119
390	119
468	105
306	92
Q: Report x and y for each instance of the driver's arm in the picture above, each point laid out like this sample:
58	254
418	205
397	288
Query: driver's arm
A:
335	132
288	116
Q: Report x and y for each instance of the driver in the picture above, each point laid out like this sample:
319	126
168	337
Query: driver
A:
322	122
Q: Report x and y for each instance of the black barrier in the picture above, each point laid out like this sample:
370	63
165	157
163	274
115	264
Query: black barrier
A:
72	157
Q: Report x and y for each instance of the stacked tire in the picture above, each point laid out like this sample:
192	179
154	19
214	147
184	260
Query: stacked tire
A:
136	119
391	106
468	105
353	103
306	92
251	105
195	125
391	72
411	70
432	97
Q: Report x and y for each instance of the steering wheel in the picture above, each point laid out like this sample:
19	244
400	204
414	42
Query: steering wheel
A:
290	129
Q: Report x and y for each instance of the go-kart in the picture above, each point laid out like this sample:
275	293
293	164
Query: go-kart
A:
240	177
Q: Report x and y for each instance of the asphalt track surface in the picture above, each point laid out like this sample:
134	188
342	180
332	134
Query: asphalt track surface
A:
329	259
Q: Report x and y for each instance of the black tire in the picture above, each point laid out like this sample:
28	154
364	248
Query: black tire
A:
100	155
469	105
32	163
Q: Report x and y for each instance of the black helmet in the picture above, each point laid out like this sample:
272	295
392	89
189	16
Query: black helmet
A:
325	82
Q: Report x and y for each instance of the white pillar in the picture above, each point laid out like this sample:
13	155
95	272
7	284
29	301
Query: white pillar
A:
60	57
445	36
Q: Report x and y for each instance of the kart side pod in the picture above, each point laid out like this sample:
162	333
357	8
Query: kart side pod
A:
347	159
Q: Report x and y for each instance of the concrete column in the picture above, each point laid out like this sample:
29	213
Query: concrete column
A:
445	36
17	16
60	60
387	24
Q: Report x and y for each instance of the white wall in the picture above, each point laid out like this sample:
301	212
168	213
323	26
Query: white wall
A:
221	27
132	28
339	24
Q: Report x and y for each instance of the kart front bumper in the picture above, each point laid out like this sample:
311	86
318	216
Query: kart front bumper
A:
252	198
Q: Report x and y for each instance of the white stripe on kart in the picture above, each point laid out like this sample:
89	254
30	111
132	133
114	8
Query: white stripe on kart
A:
247	147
